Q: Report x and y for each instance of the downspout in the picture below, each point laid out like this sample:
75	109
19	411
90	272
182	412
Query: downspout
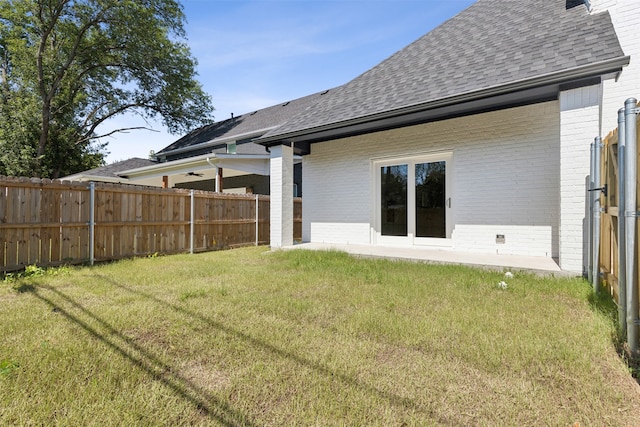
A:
214	166
622	237
631	214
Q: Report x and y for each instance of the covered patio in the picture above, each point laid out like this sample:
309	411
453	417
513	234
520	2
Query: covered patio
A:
534	264
213	167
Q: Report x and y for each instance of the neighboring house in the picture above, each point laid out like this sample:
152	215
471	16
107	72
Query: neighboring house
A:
476	137
221	156
110	173
217	157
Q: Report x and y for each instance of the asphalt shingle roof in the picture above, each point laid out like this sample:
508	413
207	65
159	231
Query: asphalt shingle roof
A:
489	44
113	169
245	124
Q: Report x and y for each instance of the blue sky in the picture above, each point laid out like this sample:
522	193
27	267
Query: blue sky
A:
254	54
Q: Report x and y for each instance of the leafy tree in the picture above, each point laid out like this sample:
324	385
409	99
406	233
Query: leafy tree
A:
67	66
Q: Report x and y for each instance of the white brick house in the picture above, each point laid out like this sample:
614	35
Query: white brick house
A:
476	137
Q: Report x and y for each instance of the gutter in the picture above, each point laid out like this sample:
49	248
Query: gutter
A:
586	71
197	162
182	163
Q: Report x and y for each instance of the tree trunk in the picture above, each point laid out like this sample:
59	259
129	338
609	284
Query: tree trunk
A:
44	136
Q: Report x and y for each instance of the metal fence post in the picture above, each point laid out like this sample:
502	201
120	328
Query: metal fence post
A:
596	190
631	215
622	237
590	216
192	225
257	221
92	221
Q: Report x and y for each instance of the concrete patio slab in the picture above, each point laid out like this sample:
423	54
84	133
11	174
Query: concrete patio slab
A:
535	264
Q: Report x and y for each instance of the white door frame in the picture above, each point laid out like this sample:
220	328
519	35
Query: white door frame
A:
411	161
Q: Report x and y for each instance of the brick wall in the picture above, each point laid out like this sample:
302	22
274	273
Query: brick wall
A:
598	6
579	118
625	15
505	168
281	210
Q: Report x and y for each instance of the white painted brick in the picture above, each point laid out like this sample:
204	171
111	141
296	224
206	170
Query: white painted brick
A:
505	166
281	185
598	6
625	15
579	118
334	232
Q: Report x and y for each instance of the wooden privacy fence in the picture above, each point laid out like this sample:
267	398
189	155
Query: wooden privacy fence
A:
611	216
51	223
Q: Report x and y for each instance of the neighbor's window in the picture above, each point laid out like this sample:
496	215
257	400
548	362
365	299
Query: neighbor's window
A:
231	148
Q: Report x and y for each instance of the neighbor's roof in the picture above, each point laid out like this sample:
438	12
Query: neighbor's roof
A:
110	171
246	126
491	44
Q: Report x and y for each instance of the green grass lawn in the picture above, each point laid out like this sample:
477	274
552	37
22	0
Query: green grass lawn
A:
250	337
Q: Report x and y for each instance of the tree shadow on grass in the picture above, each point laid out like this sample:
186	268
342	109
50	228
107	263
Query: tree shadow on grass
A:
207	404
23	287
392	398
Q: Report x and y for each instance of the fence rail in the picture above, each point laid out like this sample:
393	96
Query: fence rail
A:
49	223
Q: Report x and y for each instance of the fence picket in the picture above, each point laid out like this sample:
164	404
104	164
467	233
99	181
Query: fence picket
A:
46	222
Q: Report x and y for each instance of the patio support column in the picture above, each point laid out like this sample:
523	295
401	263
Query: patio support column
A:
281	188
579	124
219	180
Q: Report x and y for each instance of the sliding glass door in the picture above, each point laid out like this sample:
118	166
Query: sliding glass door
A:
413	202
431	190
394	200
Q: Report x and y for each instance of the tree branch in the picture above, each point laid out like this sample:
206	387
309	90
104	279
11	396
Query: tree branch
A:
74	50
88	134
85	139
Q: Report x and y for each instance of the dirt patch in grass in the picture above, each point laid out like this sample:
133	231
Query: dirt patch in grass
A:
199	373
156	337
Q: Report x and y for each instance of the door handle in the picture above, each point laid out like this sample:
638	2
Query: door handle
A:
448	202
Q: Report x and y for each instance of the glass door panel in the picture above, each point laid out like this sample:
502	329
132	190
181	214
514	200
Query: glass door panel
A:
393	191
430	191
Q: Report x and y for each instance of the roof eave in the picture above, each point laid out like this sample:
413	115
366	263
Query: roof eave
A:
178	164
191	163
216	141
598	69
